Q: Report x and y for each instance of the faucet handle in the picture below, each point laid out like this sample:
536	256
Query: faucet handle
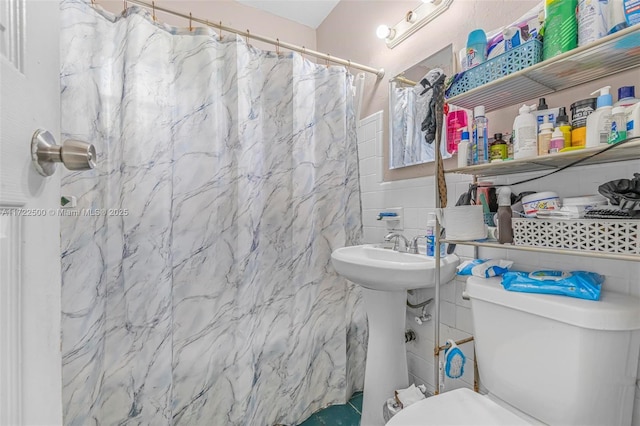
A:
414	243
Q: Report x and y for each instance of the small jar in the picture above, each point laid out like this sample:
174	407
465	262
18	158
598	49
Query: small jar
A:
498	148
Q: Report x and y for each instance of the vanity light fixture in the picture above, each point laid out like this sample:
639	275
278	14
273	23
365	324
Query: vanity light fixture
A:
385	33
415	19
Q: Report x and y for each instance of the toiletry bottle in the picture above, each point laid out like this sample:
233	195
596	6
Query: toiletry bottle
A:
542	111
580	111
480	136
618	130
626	96
557	141
544	137
617	20
464	149
431	236
561	27
476	48
562	122
633	120
456	121
592	20
498	150
505	230
525	141
599	122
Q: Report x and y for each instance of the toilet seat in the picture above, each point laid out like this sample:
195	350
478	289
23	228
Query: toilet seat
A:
457	407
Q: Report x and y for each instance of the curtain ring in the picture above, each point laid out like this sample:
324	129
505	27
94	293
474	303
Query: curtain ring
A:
349	66
125	6
278	46
220	28
327	60
247	37
190	17
153	8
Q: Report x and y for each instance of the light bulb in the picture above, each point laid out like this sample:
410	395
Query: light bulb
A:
384	32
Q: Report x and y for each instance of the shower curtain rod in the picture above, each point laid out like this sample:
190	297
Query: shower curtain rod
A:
279	44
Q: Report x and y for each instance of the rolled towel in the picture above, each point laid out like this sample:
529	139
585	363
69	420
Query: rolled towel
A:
408	396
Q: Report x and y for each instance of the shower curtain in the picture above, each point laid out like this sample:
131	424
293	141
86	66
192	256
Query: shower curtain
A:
197	282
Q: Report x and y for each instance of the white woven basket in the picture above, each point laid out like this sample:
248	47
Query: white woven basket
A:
610	236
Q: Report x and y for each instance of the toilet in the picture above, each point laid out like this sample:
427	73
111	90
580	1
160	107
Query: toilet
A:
543	359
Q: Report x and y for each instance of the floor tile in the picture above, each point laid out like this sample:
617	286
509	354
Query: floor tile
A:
338	415
356	402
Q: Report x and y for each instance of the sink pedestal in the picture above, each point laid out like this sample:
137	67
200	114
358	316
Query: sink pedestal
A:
386	367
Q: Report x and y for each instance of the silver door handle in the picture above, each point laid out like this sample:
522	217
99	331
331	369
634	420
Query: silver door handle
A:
45	153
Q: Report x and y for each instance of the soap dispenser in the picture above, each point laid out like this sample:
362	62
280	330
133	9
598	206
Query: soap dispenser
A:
599	122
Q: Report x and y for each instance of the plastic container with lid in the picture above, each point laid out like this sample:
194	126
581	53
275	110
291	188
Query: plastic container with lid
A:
580	110
547	200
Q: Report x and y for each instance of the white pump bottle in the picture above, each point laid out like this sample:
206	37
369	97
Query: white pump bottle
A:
525	135
599	122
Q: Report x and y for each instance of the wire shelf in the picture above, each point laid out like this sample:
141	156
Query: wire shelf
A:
610	55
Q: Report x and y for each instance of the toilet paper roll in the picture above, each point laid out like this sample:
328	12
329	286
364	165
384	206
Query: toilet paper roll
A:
463	223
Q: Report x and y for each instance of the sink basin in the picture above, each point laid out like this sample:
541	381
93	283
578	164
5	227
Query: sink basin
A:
383	269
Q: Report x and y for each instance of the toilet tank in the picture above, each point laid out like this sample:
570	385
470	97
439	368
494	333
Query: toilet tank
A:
562	360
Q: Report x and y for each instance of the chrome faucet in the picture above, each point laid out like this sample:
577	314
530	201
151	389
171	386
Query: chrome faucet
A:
397	237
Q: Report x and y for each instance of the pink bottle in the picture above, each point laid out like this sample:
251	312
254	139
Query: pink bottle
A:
456	122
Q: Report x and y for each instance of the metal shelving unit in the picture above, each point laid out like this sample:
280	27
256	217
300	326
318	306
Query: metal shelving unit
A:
610	55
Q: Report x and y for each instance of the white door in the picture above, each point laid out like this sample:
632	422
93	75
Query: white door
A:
30	364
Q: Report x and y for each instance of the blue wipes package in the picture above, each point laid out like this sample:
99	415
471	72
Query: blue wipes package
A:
484	268
580	284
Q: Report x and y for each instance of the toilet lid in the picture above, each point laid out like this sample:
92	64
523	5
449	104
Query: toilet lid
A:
459	407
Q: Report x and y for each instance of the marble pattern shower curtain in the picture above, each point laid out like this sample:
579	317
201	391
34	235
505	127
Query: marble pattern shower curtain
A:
197	283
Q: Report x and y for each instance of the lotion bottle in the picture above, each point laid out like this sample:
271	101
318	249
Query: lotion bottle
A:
525	137
599	122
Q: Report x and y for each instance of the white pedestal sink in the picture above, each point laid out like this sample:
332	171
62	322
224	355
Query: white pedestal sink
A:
385	276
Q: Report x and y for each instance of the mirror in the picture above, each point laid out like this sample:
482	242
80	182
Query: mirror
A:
408	106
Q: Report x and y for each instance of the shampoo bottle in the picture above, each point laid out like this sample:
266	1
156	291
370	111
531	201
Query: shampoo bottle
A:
505	230
599	122
525	141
